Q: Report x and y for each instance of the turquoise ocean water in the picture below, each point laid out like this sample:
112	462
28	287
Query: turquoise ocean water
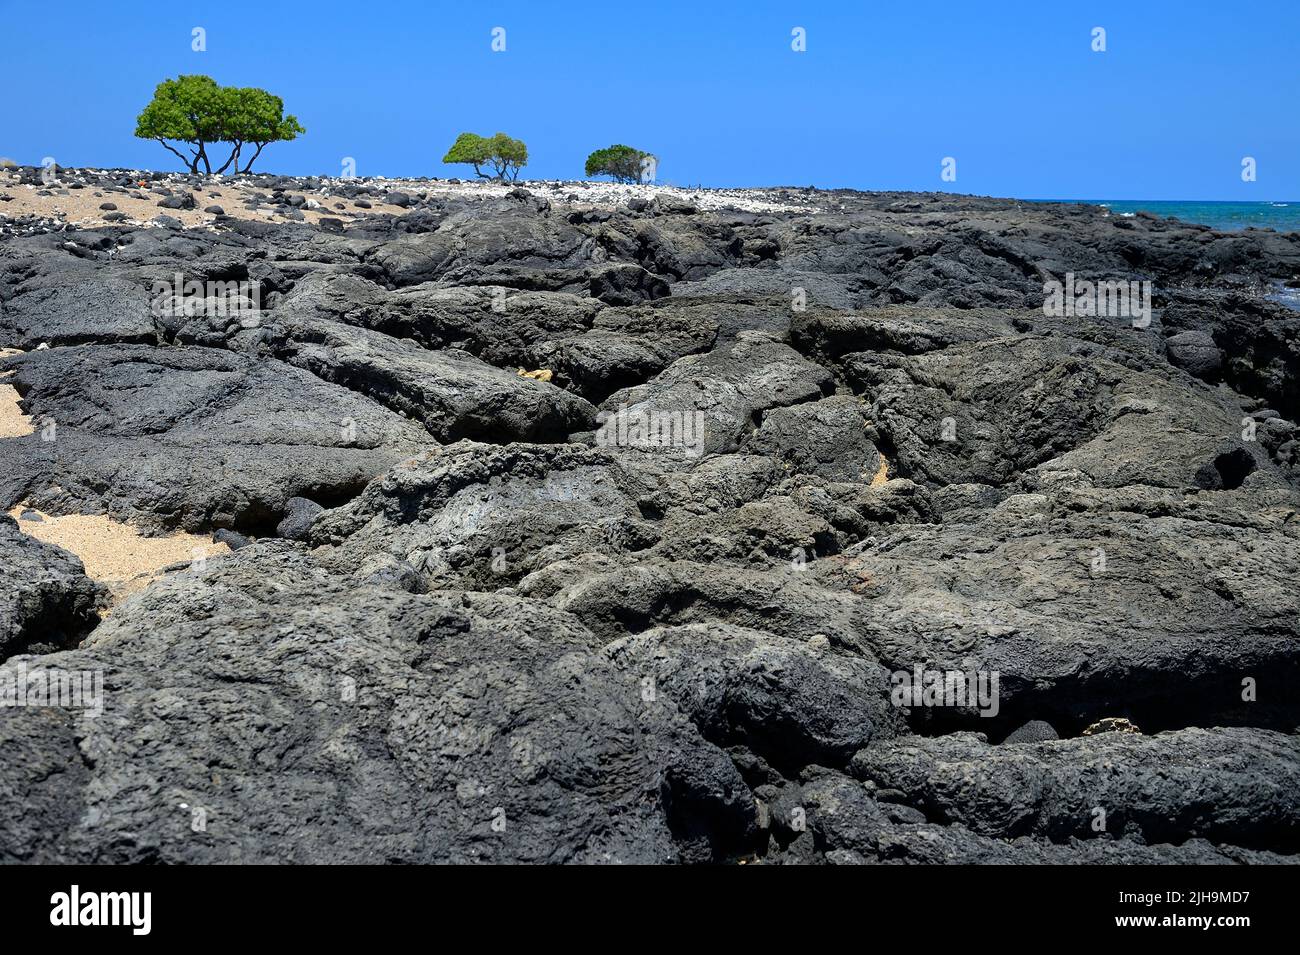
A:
1228	216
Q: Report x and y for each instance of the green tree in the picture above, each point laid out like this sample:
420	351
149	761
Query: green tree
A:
469	148
188	109
255	117
196	111
504	154
622	163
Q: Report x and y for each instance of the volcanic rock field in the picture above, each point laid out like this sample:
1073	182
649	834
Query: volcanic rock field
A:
465	612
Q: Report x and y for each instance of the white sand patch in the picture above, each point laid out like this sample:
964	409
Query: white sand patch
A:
81	207
609	194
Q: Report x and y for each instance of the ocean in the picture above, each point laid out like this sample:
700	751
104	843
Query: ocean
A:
1228	216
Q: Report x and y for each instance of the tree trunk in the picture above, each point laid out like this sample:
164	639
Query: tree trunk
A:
234	157
260	147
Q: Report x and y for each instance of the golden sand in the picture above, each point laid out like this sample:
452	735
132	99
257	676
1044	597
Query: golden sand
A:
882	475
13	423
81	206
115	553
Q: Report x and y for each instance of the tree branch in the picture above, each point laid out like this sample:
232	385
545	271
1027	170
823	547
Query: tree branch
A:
192	166
260	147
234	157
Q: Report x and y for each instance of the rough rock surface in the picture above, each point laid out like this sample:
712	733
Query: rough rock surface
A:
191	437
642	531
46	600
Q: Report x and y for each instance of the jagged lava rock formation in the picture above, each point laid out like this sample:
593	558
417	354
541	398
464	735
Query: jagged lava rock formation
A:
479	619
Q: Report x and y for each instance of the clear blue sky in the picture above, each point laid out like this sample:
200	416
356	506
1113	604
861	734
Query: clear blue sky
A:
1011	89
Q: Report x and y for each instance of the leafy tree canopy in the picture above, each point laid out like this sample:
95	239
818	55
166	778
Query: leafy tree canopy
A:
622	163
256	117
503	154
195	110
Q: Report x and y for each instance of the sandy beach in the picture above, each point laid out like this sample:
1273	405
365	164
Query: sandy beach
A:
78	200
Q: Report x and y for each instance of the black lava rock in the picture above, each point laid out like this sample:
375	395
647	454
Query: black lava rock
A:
298	517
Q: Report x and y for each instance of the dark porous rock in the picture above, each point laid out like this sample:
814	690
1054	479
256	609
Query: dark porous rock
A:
232	539
666	205
298	517
849	826
572	528
1149	787
75	310
182	201
368	690
790	701
1035	731
214	210
1129	636
725	390
193	437
453	393
827	438
615	347
1196	353
625	285
590	499
46	600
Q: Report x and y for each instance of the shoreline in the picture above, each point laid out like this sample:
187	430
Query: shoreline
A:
136	197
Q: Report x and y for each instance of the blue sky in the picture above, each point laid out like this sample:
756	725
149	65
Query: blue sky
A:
885	90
